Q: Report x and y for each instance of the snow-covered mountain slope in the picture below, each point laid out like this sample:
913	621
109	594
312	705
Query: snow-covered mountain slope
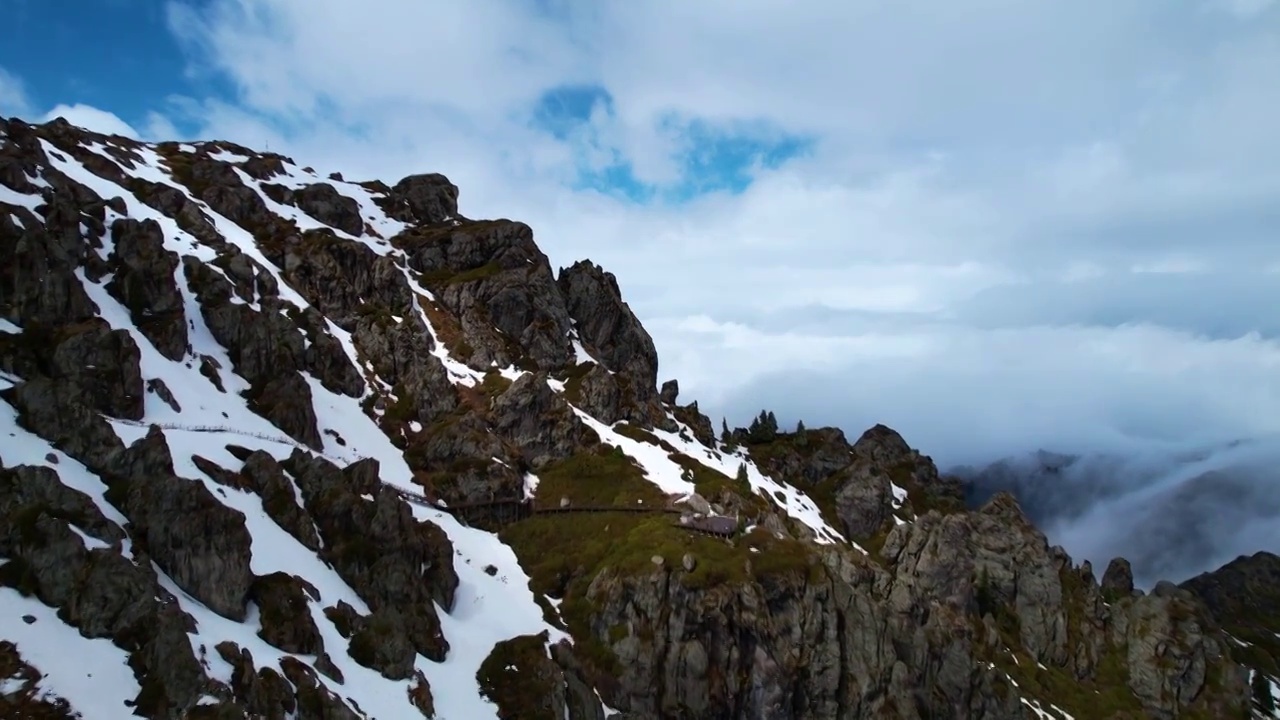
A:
195	400
277	445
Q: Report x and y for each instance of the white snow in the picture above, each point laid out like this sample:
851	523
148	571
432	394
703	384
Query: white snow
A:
373	215
222	155
1052	712
580	355
530	485
13	197
90	542
487	608
658	468
794	502
90	673
383	227
459	373
899	495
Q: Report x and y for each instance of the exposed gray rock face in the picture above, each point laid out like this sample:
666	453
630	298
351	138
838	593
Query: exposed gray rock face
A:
323	203
538	420
387	556
498	284
1118	578
401	355
700	424
381	642
610	332
426	199
670	391
201	543
262	474
853	639
345	279
97	591
143	281
286	620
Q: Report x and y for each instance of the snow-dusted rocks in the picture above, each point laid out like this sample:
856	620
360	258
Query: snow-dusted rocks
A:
246	409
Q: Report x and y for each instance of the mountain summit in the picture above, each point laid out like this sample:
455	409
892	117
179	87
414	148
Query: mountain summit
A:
283	446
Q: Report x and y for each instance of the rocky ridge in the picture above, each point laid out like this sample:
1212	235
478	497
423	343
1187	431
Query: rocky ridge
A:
223	376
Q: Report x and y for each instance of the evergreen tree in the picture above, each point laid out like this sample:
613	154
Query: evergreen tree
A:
724	430
742	474
763	429
801	440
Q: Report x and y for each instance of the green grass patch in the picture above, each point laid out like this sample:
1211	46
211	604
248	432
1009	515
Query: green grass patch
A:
603	476
573	381
494	384
435	279
639	434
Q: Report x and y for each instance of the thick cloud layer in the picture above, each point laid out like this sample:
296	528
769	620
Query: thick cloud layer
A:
995	225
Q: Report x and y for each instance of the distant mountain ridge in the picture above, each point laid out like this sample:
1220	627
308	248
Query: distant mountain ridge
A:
1173	514
223	375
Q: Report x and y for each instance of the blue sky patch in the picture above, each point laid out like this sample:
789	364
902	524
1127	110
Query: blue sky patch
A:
718	159
117	55
711	158
564	109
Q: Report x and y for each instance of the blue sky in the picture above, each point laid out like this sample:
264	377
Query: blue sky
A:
81	56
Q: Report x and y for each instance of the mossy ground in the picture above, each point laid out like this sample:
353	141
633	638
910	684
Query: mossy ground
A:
639	434
573	381
518	677
603	476
436	279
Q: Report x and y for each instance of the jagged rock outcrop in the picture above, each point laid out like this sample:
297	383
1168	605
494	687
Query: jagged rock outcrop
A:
1242	597
377	546
143	281
498	284
1117	580
425	199
611	333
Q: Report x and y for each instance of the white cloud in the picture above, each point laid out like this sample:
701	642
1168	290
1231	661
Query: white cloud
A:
13	96
961	150
955	253
93	119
